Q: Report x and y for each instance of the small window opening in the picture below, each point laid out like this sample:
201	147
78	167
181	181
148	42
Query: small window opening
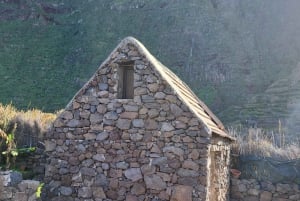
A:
126	80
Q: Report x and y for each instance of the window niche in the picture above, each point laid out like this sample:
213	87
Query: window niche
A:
126	80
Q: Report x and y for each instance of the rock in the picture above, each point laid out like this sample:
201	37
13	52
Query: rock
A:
101	180
96	118
50	145
175	150
140	91
242	188
189	181
187	173
98	192
103	94
102	136
10	178
181	193
134	174
131	198
101	109
265	196
154	182
159	161
138	123
176	111
123	124
294	197
282	188
122	165
67	115
148	169
131	108
153	87
152	113
88	171
194	154
85	114
160	95
253	191
99	157
85	192
20	196
67	191
136	137
6	194
190	165
103	86
73	123
90	136
138	189
129	115
166	127
151	124
171	98
111	115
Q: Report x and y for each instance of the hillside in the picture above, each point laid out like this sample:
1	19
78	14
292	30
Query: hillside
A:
240	57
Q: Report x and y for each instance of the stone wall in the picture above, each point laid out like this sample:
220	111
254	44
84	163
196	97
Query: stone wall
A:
253	190
150	147
13	188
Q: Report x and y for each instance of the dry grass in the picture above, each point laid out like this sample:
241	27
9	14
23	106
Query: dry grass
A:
27	122
257	142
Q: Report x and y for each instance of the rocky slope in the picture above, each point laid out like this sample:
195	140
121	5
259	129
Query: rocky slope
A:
240	57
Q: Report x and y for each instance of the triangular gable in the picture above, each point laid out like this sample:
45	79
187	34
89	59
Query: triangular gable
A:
184	93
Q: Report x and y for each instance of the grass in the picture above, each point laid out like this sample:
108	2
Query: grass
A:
21	129
262	143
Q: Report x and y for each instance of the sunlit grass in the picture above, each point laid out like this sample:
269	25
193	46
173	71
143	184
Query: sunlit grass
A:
260	143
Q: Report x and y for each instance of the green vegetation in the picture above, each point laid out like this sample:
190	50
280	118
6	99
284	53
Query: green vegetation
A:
39	190
242	66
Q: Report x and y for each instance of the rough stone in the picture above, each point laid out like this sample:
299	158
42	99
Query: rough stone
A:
182	193
187	173
166	127
190	165
265	196
102	136
176	111
123	124
50	145
151	124
148	169
85	192
134	174
138	123
154	182
138	189
98	192
99	157
67	191
129	115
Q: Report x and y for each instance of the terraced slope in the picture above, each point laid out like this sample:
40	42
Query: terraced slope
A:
240	57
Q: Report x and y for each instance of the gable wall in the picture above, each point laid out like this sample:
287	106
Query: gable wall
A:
150	146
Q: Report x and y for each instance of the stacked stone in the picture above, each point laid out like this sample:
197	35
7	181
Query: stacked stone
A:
253	190
150	147
13	188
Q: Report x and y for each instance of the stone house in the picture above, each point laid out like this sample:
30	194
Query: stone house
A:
134	132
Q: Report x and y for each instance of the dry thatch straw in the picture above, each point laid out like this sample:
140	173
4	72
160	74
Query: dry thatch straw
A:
259	143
